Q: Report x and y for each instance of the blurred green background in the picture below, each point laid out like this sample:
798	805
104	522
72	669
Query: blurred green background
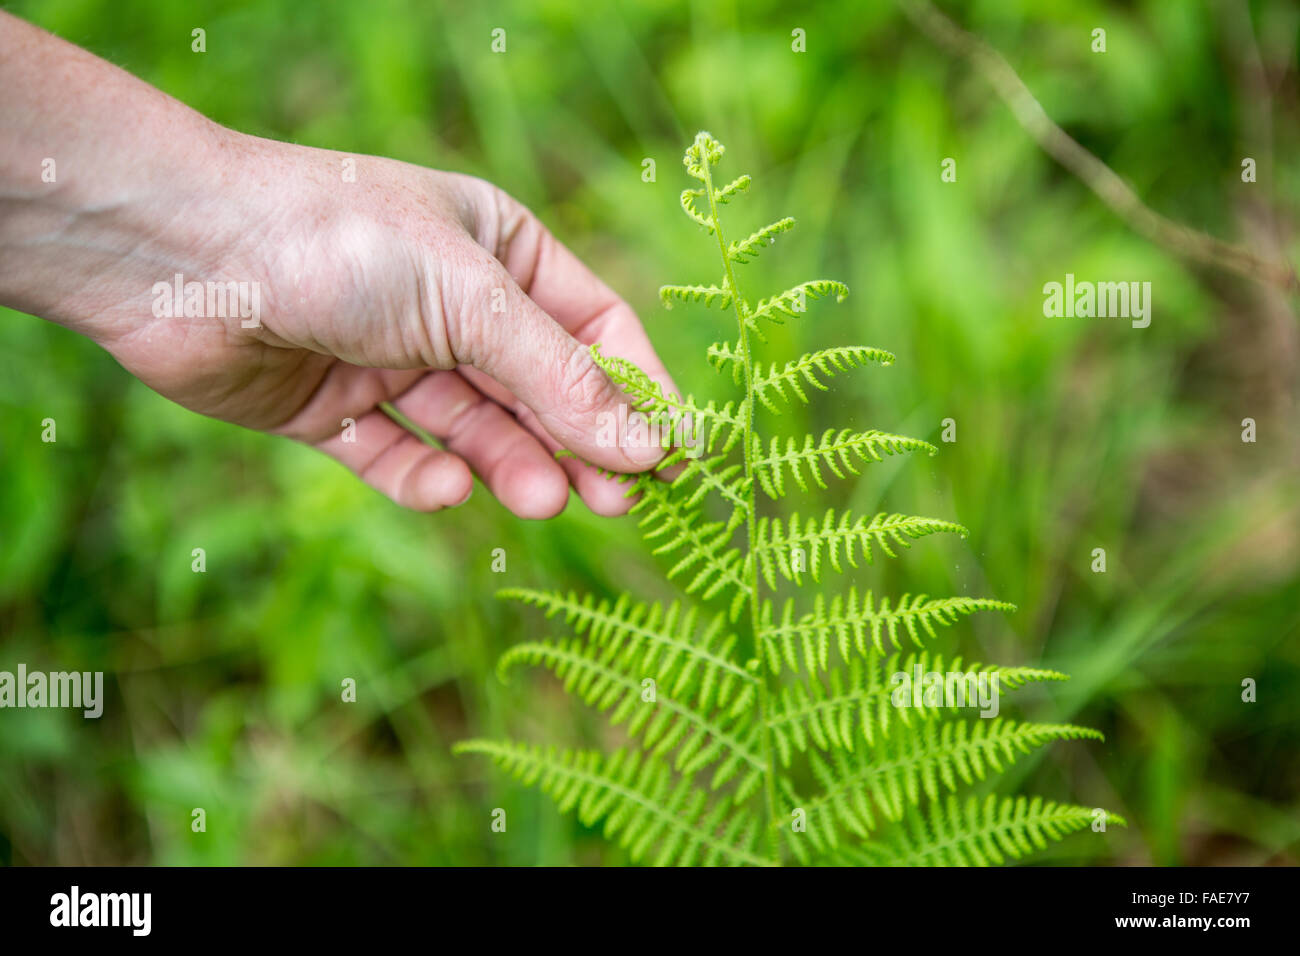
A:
1072	434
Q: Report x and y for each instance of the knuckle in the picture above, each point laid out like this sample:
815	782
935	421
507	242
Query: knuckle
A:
468	289
584	387
441	330
511	218
486	213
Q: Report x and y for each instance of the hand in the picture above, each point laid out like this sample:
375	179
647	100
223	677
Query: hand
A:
384	290
434	291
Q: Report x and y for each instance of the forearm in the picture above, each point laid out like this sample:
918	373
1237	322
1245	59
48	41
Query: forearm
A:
103	182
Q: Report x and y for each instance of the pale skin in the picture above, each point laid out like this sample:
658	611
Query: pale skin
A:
378	290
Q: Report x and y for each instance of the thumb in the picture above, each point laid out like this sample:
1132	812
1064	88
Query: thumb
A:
495	327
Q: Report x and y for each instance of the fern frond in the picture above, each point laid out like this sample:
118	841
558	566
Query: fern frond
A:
792	301
726	193
979	832
714	474
915	760
704	152
671	640
642	804
699	426
747	249
854	622
827	716
797	372
709	295
843	539
841	452
857	702
688	206
716	713
667	520
613	676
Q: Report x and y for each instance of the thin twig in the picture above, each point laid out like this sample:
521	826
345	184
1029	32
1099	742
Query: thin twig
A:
1096	175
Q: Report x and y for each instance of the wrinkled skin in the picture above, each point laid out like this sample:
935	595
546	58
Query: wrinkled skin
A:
383	290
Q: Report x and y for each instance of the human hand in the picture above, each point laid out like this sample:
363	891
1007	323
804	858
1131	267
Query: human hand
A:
434	291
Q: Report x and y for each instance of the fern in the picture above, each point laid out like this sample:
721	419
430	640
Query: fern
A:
746	720
797	373
829	715
839	452
855	624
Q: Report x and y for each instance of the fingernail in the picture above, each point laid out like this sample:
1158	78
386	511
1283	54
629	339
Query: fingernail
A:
644	454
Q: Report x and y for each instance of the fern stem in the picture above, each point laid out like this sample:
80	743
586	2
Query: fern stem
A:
768	752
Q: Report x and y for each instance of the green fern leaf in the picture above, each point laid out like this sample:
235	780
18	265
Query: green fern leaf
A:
853	622
615	677
672	524
709	295
700	155
747	249
787	548
670	640
912	761
771	383
856	703
642	804
728	192
705	426
839	451
793	301
702	475
688	206
981	832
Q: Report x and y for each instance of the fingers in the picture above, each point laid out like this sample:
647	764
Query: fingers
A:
495	327
477	433
513	458
345	391
555	280
341	419
584	306
398	464
516	468
603	494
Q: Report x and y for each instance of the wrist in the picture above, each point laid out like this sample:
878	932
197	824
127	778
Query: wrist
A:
106	186
85	249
